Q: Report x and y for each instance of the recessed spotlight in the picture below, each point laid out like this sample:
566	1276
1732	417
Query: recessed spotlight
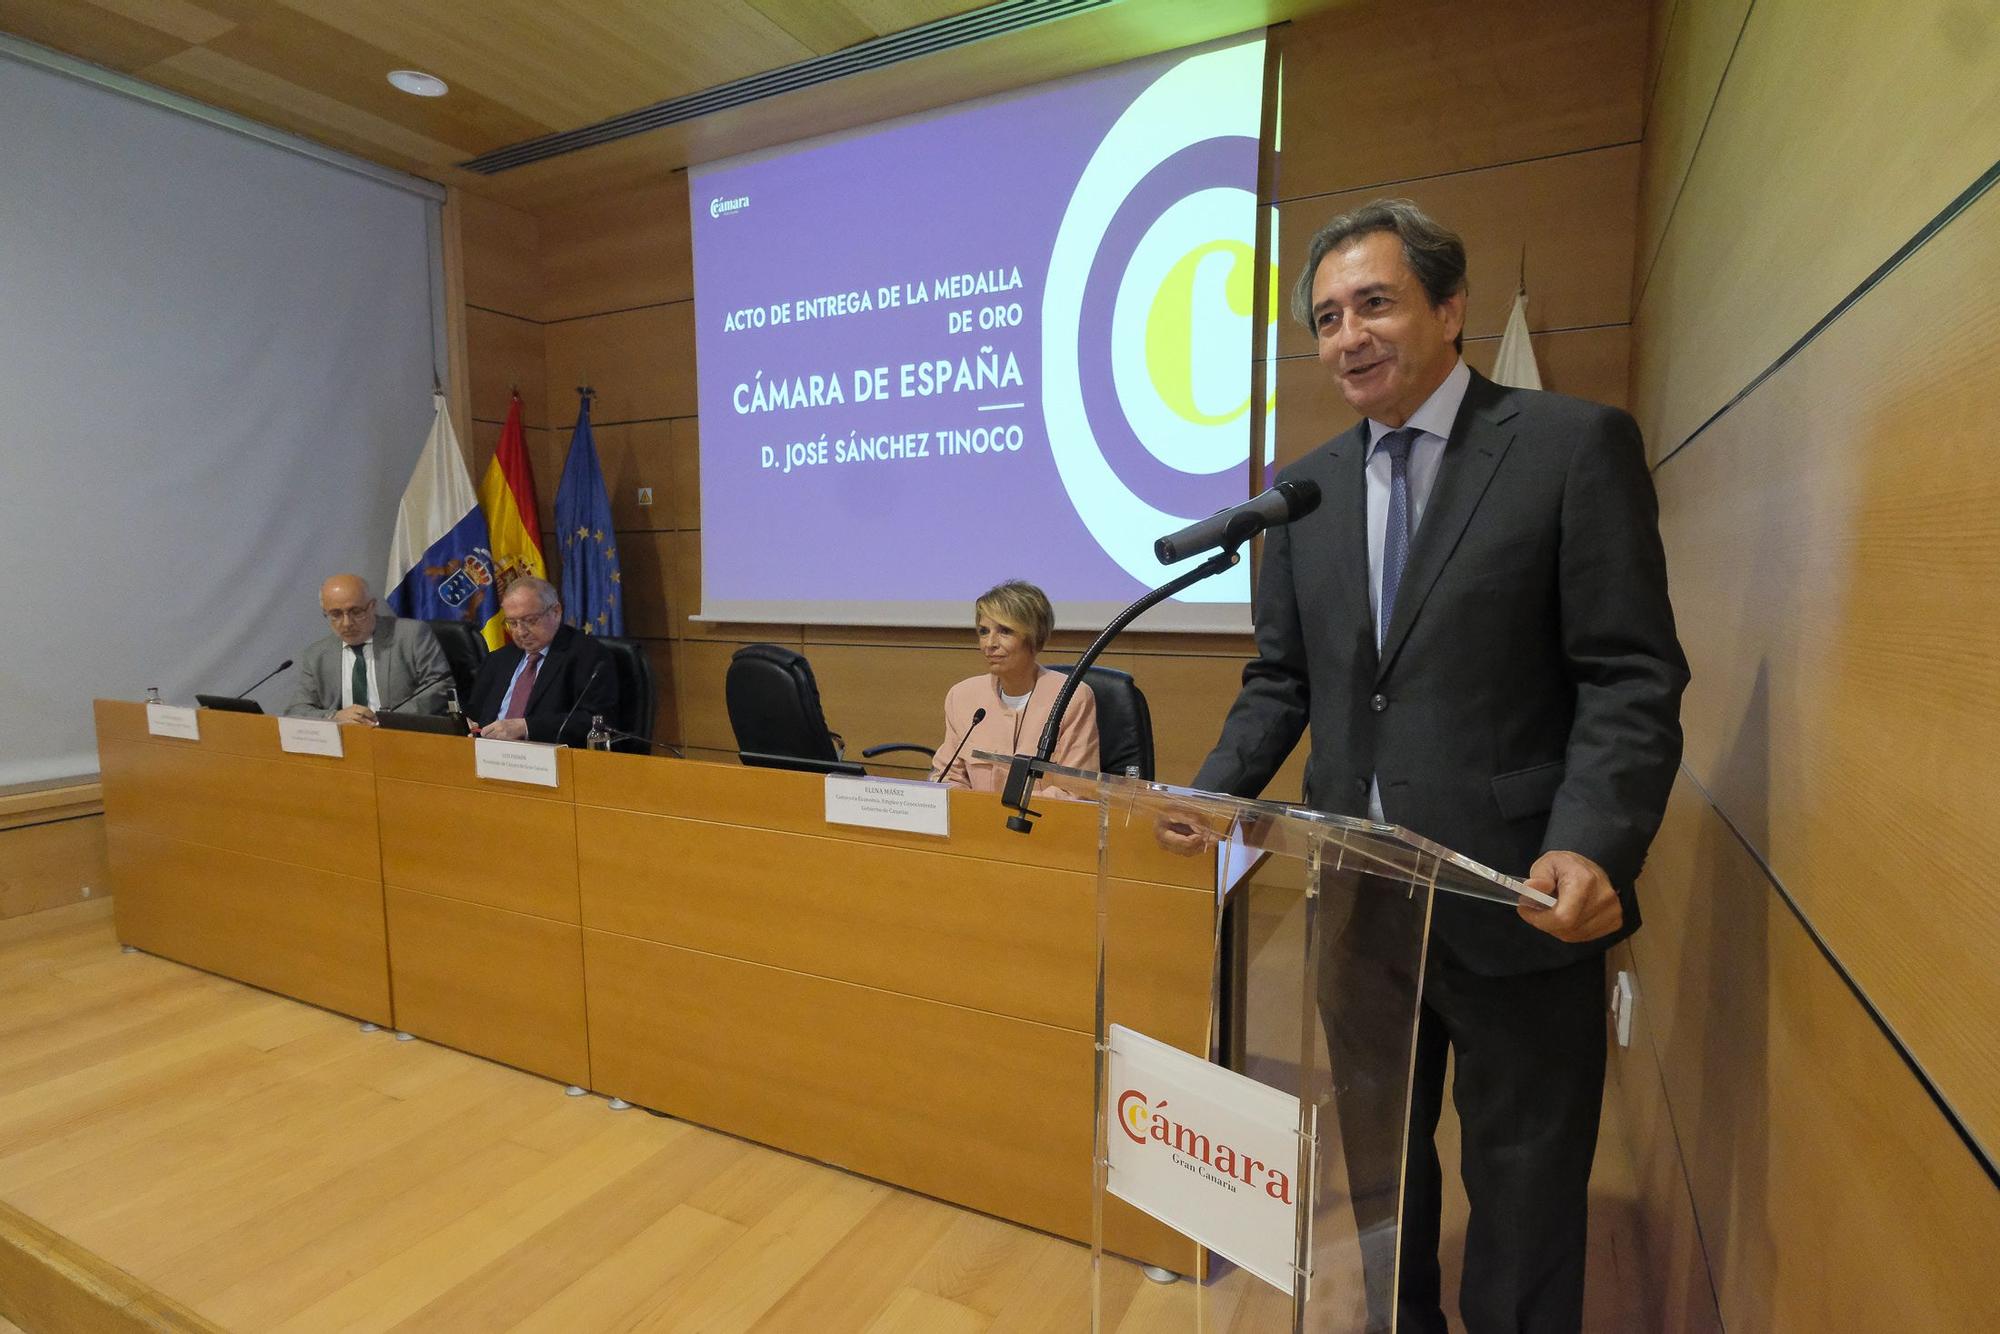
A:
417	83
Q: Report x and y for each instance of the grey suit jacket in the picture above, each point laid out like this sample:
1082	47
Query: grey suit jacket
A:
1527	693
407	660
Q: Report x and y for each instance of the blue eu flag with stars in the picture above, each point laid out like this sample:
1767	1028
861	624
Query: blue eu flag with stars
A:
592	596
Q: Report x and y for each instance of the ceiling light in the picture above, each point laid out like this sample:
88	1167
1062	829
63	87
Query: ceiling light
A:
417	83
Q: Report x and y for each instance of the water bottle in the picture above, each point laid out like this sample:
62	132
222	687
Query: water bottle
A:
153	695
599	738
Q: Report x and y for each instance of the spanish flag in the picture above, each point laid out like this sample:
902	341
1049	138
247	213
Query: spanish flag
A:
507	494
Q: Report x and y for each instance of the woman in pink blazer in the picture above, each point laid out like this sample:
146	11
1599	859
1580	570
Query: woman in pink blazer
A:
1013	621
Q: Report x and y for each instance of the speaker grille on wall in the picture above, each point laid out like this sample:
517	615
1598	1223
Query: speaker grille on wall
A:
925	39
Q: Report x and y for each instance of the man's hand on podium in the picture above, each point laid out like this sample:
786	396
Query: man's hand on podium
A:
1182	831
356	713
505	729
1587	907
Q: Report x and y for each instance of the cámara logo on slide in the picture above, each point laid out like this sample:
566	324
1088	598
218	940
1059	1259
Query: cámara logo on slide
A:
719	206
1151	293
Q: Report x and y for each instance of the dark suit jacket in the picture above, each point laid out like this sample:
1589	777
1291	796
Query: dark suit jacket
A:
559	688
1527	695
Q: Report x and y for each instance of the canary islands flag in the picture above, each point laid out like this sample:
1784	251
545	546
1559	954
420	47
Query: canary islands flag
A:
513	521
592	598
440	561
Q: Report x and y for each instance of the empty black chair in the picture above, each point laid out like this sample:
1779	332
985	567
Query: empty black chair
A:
1124	723
774	711
464	649
638	700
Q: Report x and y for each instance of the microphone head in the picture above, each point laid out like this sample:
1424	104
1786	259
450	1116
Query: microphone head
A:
1301	497
978	717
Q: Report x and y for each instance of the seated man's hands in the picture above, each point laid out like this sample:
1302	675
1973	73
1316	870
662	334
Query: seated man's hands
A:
505	729
356	713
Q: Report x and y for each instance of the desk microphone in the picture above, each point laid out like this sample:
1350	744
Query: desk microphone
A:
579	702
265	677
667	746
397	707
978	717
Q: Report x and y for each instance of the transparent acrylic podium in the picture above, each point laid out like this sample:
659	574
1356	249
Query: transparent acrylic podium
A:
1320	925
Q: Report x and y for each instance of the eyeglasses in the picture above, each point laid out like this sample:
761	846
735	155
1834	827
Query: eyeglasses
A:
516	622
338	614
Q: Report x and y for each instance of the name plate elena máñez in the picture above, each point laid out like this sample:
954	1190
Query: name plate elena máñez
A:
1210	1153
514	761
310	736
889	803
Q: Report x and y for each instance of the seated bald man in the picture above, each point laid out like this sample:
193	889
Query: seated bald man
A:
372	660
548	683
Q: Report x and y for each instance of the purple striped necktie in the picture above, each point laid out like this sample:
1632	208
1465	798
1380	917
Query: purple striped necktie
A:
1396	535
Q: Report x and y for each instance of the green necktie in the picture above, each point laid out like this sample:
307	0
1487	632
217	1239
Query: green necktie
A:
360	679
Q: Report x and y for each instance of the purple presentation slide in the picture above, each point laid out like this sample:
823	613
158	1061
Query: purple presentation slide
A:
1010	339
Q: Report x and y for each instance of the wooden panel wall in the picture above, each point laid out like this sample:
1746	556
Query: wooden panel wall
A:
1835	133
1816	984
1543	110
51	846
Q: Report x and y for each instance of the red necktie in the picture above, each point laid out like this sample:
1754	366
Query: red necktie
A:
524	686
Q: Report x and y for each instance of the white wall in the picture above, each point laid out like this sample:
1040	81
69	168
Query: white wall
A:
215	375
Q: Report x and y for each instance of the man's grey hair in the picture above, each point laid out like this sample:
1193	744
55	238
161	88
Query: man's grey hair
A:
541	588
1431	249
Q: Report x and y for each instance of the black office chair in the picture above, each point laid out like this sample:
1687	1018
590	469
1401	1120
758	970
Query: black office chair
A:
464	649
775	712
1124	723
638	699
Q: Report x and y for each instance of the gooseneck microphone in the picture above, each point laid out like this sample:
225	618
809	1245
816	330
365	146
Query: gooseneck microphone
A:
564	724
978	717
648	742
244	694
1276	507
397	707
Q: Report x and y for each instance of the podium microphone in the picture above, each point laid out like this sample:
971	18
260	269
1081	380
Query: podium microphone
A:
1234	526
265	677
978	717
579	701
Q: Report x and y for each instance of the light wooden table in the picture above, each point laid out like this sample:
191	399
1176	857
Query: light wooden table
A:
692	937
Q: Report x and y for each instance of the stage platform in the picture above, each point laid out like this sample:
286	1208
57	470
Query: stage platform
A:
266	1165
180	1152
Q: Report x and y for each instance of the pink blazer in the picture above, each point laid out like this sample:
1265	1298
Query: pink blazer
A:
1005	732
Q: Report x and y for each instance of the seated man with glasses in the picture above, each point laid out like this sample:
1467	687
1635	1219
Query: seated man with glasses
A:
371	660
548	683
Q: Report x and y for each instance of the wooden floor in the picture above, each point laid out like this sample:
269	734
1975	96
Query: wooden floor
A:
271	1167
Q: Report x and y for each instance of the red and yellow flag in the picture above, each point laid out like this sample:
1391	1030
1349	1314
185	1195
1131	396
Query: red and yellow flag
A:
507	494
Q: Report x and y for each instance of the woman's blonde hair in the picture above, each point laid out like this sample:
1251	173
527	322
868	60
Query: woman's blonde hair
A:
1020	605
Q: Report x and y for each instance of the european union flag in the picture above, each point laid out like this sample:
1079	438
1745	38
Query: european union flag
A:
591	595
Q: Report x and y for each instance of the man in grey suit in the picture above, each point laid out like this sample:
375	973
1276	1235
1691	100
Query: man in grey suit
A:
371	660
1474	625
